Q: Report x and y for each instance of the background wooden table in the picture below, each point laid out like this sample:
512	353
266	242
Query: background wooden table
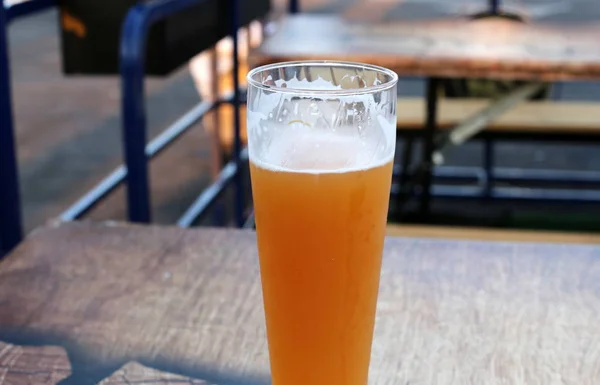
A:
83	303
446	47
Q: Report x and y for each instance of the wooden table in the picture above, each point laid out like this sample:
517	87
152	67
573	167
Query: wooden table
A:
451	47
85	303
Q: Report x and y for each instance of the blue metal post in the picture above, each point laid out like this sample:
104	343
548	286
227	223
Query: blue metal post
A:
494	7
133	54
10	208
429	144
294	6
237	148
488	166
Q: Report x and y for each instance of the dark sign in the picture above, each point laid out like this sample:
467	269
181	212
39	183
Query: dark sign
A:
91	31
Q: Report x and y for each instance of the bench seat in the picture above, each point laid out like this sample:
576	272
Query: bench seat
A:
530	117
482	234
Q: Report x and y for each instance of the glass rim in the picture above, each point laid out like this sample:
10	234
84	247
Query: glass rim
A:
323	63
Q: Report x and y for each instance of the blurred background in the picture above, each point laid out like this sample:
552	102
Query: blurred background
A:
68	128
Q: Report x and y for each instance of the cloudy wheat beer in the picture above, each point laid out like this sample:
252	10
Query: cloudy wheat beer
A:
321	140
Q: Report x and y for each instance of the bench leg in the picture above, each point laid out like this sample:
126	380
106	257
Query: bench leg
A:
406	178
133	111
217	152
429	144
488	165
407	155
294	6
239	195
494	6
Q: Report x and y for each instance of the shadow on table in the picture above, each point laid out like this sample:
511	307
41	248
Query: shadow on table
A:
88	369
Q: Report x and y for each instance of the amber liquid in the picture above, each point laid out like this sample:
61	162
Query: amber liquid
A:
320	242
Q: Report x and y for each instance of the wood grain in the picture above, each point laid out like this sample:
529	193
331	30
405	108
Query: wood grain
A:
535	117
496	235
454	47
134	373
188	302
39	365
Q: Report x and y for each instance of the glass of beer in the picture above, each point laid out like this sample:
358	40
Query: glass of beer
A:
321	140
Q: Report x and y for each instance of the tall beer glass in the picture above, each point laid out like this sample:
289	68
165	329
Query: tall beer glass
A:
321	144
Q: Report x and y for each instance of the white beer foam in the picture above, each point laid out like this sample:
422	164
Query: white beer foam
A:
301	136
311	150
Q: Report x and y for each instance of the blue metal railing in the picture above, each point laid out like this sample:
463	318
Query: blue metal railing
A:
494	7
133	53
294	6
237	146
137	153
209	196
10	213
135	171
157	145
10	206
133	47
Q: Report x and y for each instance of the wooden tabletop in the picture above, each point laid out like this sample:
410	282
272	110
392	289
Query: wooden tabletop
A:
85	303
447	47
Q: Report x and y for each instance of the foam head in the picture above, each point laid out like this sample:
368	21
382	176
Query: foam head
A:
305	149
321	117
320	126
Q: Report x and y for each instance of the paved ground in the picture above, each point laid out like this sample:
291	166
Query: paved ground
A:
68	129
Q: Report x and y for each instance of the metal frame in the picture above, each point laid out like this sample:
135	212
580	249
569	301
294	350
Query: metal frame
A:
133	50
157	145
133	47
10	213
207	199
11	230
494	7
136	152
294	6
429	143
237	124
434	143
518	184
488	176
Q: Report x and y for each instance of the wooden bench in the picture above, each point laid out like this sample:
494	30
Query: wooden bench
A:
480	234
547	117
